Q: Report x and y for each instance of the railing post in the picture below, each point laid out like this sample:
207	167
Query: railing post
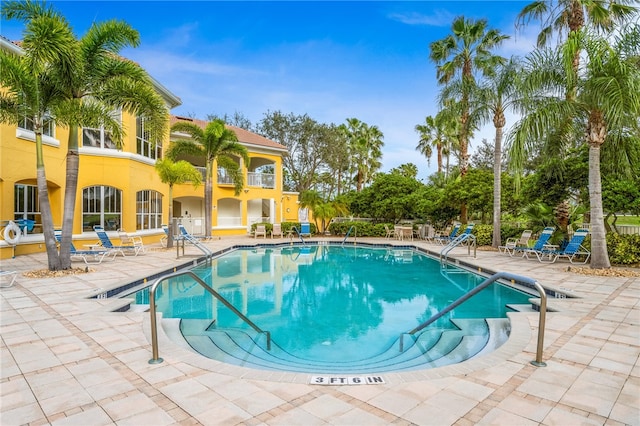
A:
154	326
541	325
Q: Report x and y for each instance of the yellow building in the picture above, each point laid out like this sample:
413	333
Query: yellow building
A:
120	188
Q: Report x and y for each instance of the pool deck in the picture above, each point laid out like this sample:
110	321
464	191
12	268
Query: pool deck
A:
70	360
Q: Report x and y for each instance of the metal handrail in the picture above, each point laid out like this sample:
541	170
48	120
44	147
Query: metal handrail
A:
349	232
455	243
152	308
495	277
294	228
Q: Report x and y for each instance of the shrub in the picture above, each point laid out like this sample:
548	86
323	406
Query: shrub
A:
623	249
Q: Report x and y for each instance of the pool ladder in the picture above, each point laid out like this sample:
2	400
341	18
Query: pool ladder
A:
152	309
470	239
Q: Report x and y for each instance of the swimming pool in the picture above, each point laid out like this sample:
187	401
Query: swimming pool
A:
334	308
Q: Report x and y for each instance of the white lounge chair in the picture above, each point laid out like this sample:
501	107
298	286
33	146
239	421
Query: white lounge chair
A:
277	230
9	277
260	230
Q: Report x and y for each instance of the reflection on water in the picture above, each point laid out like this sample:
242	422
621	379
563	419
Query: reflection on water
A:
331	302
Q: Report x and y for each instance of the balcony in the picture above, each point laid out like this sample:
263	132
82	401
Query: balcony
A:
262	180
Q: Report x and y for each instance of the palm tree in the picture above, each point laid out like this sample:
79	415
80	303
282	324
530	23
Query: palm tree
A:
214	143
566	16
95	83
499	95
365	146
605	109
176	173
32	91
462	55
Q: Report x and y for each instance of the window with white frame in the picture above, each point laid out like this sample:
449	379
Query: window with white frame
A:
148	209
101	205
144	145
48	128
100	138
25	204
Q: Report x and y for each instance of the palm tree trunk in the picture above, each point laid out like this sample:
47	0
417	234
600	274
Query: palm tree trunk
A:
170	236
53	260
497	170
599	254
71	188
208	199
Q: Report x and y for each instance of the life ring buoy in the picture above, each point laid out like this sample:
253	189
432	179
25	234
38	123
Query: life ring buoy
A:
12	233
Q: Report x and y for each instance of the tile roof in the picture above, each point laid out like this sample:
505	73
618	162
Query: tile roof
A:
244	136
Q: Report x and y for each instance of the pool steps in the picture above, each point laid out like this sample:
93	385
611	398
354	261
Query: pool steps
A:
431	348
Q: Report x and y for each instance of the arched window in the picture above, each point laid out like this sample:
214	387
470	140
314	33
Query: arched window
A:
148	209
101	205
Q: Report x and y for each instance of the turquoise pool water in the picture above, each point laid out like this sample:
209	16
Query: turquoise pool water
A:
330	303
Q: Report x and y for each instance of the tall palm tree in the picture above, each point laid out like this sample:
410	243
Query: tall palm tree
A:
214	143
95	83
176	173
461	56
32	91
499	95
365	146
605	109
566	16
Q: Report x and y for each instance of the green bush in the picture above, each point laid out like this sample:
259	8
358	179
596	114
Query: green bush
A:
362	229
483	233
623	249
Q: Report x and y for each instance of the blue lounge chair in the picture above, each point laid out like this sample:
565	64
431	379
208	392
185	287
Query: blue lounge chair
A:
84	255
106	243
545	235
573	250
305	229
448	238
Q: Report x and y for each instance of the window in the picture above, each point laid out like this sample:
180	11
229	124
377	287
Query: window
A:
25	204
48	129
144	145
101	205
148	210
99	138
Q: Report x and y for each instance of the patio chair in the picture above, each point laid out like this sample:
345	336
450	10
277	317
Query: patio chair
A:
573	250
260	230
388	232
305	229
545	235
127	239
106	243
512	243
98	255
165	237
10	276
277	230
448	238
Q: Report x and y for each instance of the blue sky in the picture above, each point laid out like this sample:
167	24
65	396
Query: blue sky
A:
332	60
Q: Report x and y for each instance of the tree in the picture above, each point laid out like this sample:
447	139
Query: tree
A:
499	95
307	147
365	150
436	132
176	173
96	82
605	109
214	143
566	16
32	90
462	55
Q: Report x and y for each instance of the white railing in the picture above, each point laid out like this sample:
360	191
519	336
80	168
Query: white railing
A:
262	180
229	220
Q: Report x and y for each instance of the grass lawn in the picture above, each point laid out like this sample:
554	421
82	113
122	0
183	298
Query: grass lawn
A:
626	220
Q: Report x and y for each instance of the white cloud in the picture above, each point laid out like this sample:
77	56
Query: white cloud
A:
440	18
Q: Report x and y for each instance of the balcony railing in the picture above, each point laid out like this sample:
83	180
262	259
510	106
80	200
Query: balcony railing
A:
262	180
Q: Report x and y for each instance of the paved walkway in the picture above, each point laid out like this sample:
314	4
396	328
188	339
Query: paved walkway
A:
70	360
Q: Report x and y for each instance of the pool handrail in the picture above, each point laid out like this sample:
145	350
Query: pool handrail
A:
495	277
444	253
355	237
152	309
294	228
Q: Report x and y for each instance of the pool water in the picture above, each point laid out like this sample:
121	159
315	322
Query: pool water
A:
330	303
